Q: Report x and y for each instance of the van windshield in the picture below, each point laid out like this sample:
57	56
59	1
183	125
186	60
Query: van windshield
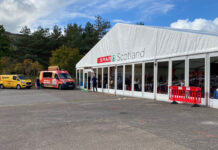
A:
64	76
22	77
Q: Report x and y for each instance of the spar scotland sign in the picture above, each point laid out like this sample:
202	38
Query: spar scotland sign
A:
121	57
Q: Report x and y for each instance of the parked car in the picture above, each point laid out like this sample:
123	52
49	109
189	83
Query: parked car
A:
15	81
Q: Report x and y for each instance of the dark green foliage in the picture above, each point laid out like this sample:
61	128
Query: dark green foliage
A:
66	58
73	36
25	30
38	46
5	49
90	38
101	26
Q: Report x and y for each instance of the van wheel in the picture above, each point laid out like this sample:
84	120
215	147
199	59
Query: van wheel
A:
60	87
1	86
18	87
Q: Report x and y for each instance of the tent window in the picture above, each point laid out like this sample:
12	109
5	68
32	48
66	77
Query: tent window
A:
149	77
178	73
94	73
81	77
105	83
214	78
196	73
99	77
86	80
138	77
162	80
77	73
112	77
120	77
128	77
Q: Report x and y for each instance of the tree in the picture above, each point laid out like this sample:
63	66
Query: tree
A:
57	33
101	26
28	67
4	43
35	46
22	45
90	38
25	30
56	38
39	45
6	65
66	58
73	36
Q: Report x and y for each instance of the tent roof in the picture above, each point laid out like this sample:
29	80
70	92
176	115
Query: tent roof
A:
134	43
187	30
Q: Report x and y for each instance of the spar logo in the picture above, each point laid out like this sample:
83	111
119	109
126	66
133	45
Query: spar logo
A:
113	58
106	59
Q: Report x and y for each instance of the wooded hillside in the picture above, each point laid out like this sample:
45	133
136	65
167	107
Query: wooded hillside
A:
29	52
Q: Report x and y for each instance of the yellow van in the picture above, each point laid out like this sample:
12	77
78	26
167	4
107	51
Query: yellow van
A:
15	81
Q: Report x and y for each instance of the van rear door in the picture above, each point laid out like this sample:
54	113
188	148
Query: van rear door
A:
47	79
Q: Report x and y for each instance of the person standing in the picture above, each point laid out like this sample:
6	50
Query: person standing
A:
37	83
94	81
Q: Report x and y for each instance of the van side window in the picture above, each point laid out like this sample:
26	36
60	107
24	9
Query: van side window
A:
14	78
47	74
56	76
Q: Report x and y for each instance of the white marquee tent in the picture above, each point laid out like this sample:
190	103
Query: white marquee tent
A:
128	44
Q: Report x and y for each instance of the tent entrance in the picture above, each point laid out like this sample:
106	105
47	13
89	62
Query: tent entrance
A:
88	79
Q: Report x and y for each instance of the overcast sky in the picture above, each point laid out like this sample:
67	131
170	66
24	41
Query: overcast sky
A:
184	14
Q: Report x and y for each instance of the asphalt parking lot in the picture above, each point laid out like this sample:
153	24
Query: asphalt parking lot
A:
74	120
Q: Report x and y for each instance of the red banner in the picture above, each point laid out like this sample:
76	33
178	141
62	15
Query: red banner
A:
104	59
